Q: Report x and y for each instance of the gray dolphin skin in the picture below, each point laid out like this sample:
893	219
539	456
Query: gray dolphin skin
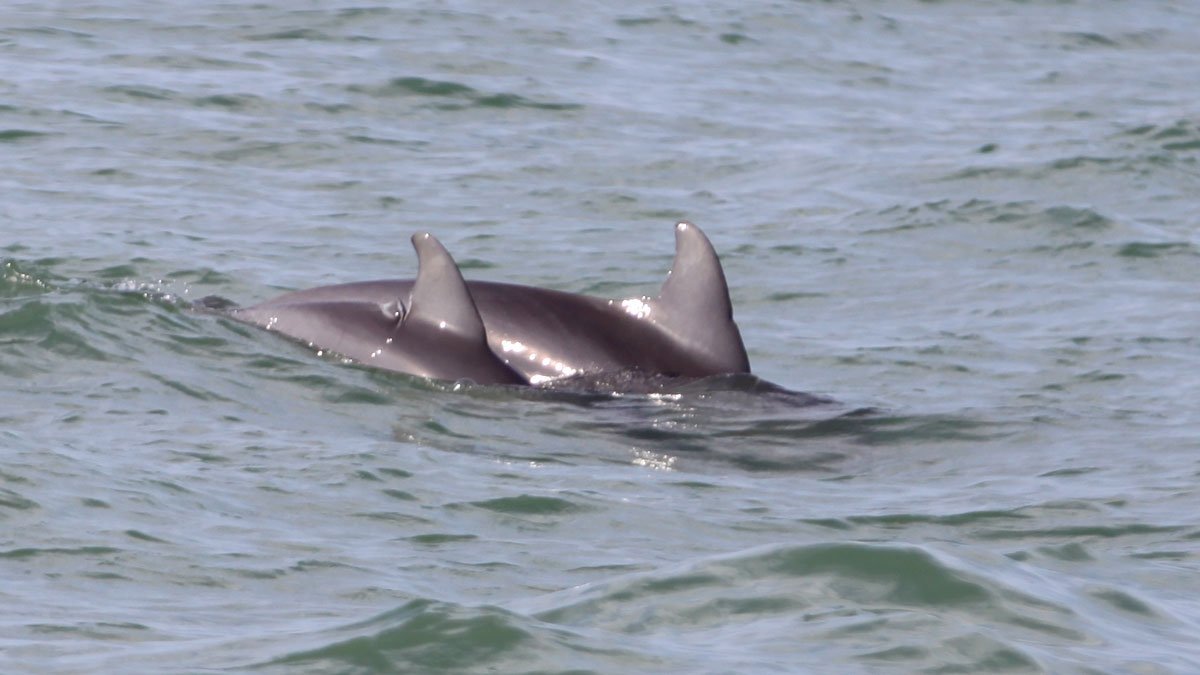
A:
443	327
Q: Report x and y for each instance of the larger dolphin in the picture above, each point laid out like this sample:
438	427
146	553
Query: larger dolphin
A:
441	326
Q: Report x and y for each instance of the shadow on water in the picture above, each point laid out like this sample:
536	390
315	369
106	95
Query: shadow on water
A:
670	423
759	426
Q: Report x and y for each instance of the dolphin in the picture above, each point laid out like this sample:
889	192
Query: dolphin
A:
443	327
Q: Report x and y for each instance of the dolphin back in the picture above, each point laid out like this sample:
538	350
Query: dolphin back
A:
434	332
442	327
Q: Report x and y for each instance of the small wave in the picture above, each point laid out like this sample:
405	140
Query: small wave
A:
607	385
844	596
430	636
1181	136
530	505
288	154
891	574
228	101
37	331
1090	40
15	135
11	500
688	424
469	97
716	427
47	320
1145	249
664	19
142	92
1022	214
291	34
19	279
855	603
1055	230
86	551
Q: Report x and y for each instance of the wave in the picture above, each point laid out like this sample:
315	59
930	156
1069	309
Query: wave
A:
871	605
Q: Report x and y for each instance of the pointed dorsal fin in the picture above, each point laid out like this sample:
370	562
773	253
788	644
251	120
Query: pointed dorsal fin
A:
442	334
694	307
439	295
696	282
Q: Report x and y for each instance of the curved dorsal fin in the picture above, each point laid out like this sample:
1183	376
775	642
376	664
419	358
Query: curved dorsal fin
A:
439	295
694	305
442	334
696	282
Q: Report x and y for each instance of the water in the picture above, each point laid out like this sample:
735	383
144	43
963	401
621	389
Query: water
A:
973	225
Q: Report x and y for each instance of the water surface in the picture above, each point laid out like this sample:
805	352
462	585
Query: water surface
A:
972	225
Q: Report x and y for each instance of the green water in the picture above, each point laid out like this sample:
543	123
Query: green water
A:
972	225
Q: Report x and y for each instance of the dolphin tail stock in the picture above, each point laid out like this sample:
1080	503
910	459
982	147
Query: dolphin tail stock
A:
694	307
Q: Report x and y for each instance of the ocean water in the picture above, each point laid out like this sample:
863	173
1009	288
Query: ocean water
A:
972	225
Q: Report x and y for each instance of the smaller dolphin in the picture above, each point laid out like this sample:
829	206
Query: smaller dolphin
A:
444	327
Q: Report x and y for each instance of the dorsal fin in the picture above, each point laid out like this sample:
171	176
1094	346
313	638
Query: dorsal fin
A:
439	295
694	307
442	334
696	282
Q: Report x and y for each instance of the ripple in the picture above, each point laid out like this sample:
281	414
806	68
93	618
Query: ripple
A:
142	92
228	101
16	135
18	279
292	34
1124	602
1087	39
429	636
1180	136
1095	531
1077	218
953	520
420	86
46	325
530	505
15	501
838	595
903	540
470	97
1141	249
434	539
33	552
101	630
